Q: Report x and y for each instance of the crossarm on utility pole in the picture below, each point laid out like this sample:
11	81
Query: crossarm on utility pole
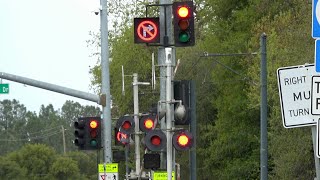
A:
51	87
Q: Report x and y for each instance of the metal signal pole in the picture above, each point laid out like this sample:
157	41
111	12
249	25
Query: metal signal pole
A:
105	83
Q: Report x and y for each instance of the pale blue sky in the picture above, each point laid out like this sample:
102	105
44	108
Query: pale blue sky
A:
46	40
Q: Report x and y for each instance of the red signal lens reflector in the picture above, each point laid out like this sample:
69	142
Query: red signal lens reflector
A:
93	124
93	134
183	12
126	125
155	140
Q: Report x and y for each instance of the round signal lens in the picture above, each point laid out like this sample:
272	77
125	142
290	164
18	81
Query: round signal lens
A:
184	37
183	12
148	123
93	143
183	24
93	124
156	140
183	140
126	125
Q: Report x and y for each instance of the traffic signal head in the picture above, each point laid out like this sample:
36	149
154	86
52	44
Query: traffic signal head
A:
183	22
126	124
80	133
88	133
147	123
155	140
94	129
182	140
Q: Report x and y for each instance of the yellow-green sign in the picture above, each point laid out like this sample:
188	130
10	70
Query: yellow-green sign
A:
110	168
162	175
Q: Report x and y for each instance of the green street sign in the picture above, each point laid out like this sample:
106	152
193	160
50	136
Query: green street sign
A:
4	88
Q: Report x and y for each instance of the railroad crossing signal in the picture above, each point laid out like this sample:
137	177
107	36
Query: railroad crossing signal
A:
147	122
125	124
155	140
183	22
182	140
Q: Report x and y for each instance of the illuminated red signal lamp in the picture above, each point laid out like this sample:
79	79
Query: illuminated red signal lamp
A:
147	123
182	140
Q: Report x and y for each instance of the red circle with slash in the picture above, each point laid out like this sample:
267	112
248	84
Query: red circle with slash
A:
145	33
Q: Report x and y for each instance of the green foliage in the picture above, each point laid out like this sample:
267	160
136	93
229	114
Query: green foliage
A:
64	168
11	170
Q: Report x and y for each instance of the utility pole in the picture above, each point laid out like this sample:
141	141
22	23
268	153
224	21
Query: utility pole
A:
105	84
63	141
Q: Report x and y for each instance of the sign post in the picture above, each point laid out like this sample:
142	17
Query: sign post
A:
4	88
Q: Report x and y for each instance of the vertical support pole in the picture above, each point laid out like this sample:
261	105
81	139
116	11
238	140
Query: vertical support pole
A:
168	111
165	22
263	110
105	84
127	160
136	121
63	140
316	159
193	130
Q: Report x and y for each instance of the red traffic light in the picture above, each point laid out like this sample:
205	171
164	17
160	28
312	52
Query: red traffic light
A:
155	140
182	140
147	123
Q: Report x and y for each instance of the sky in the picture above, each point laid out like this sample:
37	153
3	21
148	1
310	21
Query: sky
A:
45	40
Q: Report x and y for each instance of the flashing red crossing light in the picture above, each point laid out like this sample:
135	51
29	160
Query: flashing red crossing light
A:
182	140
183	20
147	123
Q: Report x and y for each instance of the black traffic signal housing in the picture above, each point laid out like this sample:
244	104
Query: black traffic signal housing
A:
88	133
151	161
80	134
155	140
183	23
182	140
125	124
182	91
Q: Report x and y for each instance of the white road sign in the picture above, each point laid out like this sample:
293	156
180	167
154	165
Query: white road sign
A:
295	95
315	95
